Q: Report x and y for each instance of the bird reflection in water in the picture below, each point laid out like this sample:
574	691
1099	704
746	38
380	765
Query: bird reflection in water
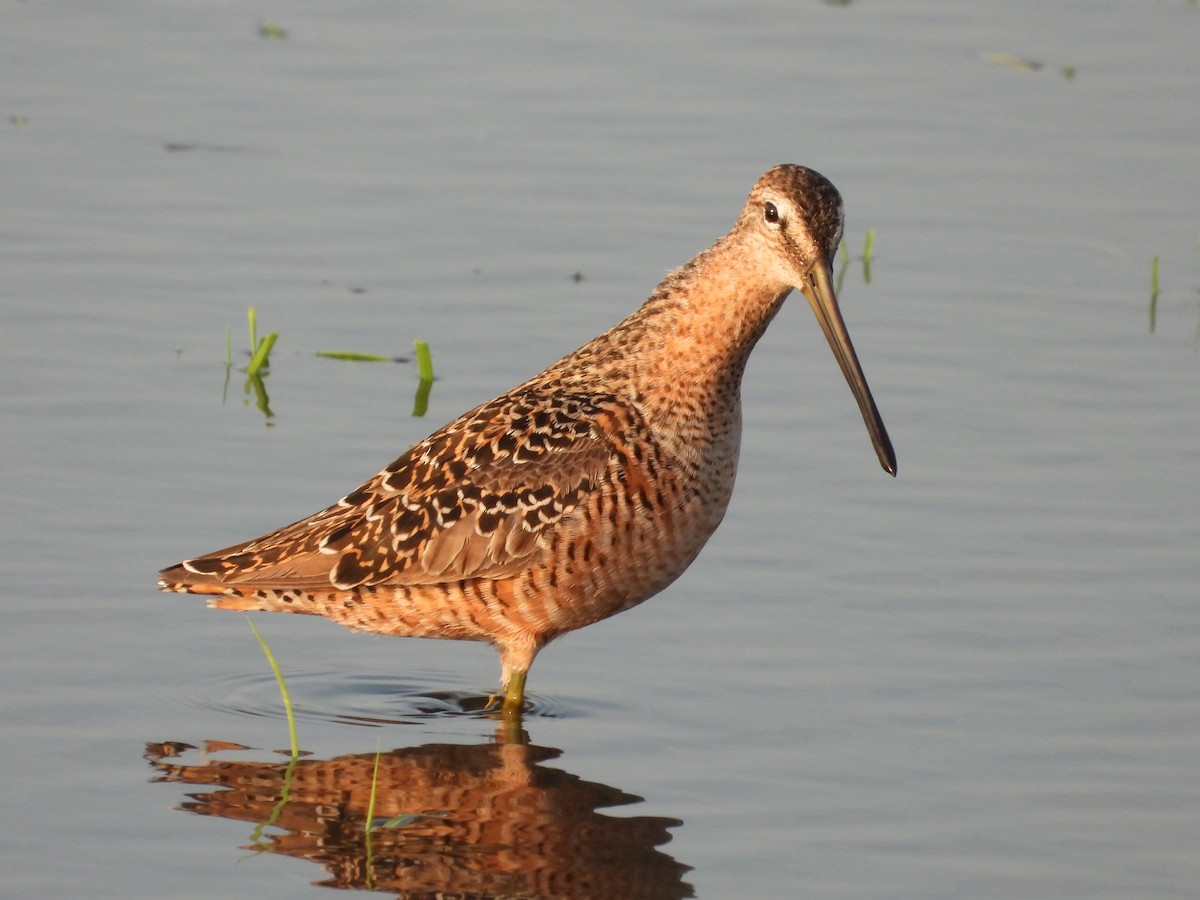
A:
489	820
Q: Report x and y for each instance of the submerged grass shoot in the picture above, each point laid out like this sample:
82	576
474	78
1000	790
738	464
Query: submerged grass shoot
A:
261	354
868	253
1013	62
425	368
1153	293
259	350
256	839
369	823
271	30
228	364
287	699
841	275
262	400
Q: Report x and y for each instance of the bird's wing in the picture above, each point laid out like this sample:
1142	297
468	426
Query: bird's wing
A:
474	500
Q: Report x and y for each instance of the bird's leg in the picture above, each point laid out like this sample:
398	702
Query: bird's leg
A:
516	656
512	703
514	693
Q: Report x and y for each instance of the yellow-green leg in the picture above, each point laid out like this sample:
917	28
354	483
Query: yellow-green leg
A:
514	693
516	656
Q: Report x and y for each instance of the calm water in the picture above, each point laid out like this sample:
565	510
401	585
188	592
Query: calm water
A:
981	679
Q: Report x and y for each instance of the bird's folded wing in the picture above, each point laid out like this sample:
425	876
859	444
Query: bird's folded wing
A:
477	499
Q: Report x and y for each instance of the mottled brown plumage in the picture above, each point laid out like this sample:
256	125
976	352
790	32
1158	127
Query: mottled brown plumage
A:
578	494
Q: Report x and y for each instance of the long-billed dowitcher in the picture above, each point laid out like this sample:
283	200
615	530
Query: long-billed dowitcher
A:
579	493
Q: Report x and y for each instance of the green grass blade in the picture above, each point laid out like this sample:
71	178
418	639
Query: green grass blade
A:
424	360
259	359
425	368
1153	293
287	700
1013	62
252	316
351	356
868	254
271	30
228	365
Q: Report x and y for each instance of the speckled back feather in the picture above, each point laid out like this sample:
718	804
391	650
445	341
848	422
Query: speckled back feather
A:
470	501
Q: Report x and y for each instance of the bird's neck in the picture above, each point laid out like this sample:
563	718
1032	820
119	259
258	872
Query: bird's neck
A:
698	327
679	358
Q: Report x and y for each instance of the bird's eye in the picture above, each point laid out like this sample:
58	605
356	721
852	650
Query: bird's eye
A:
770	213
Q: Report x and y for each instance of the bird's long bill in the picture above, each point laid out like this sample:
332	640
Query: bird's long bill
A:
818	288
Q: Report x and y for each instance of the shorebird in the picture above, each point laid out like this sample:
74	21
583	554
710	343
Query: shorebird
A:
575	495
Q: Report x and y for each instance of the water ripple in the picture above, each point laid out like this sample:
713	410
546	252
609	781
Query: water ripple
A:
356	699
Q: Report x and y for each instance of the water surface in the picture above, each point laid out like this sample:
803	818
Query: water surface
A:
979	679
